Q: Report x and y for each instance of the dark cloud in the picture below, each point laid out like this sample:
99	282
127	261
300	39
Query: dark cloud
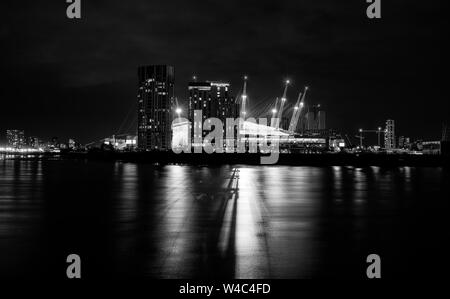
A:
78	77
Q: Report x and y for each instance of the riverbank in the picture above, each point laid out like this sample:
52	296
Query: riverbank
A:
255	159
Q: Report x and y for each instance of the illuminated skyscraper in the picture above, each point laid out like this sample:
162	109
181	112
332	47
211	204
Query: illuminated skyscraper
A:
389	135
321	116
34	142
314	119
155	105
403	142
16	138
213	99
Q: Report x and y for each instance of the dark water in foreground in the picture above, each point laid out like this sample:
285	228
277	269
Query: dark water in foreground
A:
138	220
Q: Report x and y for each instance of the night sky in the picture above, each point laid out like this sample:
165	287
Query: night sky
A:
78	78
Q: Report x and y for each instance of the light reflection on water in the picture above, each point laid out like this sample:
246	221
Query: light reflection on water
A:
20	210
212	222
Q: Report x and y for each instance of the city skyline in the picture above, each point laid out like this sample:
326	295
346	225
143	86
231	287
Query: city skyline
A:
155	106
83	73
214	147
156	84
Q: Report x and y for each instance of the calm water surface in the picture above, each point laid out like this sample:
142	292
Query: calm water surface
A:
130	220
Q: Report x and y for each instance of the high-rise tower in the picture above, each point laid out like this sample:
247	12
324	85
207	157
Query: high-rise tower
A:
155	105
389	135
213	99
15	138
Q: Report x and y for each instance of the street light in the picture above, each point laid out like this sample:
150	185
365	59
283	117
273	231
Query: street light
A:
178	111
379	133
360	138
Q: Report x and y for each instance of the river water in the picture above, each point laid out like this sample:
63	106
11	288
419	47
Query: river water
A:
129	220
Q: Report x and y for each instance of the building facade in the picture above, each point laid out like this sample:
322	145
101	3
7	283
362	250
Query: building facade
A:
314	119
16	138
213	99
389	135
155	107
431	147
35	142
404	142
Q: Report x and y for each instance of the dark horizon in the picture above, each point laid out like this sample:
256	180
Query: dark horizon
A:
78	78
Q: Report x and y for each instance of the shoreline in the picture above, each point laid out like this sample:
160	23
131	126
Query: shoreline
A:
292	159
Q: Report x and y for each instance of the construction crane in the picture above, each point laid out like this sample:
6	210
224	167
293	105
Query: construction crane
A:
348	139
361	137
282	102
297	110
444	132
274	112
243	111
